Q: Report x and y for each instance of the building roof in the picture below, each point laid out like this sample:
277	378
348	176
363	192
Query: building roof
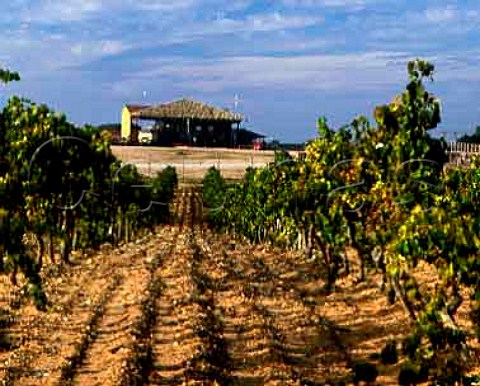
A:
186	108
135	108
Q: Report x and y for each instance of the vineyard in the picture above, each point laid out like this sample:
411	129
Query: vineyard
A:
183	306
357	264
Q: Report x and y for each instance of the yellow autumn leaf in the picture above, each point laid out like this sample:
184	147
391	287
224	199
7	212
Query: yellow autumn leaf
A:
417	209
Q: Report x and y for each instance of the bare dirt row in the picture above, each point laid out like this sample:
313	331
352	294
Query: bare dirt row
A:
273	335
187	306
86	335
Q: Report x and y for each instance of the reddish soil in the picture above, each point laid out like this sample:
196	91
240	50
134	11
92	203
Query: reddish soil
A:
187	306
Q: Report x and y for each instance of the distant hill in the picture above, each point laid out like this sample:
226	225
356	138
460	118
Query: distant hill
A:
474	138
109	126
113	127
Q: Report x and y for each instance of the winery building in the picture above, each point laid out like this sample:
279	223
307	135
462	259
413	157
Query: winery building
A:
181	122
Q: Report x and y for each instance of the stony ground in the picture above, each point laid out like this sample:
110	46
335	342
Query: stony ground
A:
188	306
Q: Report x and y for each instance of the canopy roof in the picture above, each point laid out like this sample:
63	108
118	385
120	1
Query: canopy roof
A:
135	108
185	108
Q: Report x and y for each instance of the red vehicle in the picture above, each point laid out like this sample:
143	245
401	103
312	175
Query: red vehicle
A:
258	144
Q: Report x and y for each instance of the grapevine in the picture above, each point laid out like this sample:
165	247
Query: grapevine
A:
382	191
61	186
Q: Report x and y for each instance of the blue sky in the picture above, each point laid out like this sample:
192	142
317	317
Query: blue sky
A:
290	61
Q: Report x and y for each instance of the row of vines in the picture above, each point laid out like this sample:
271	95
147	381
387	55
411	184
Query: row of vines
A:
382	190
61	190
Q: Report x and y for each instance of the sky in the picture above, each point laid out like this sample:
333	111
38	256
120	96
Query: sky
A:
289	61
